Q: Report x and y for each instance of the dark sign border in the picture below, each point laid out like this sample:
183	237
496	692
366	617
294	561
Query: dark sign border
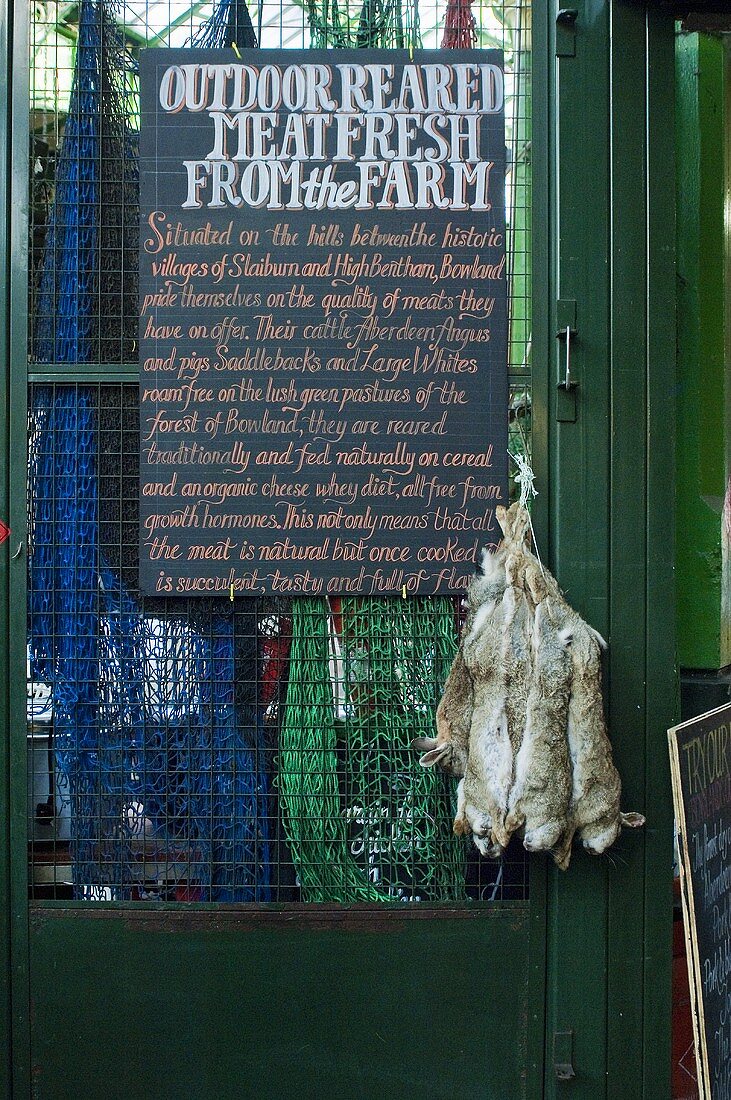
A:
706	1011
492	408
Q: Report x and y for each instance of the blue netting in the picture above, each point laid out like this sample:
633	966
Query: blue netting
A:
230	24
162	763
85	309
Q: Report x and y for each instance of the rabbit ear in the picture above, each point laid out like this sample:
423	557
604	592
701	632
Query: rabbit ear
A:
597	637
632	820
535	583
513	564
519	525
501	515
435	756
422	743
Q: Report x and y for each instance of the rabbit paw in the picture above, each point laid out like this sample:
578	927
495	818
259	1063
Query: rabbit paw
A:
461	826
486	846
480	823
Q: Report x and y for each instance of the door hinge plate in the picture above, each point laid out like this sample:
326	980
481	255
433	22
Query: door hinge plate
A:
563	1055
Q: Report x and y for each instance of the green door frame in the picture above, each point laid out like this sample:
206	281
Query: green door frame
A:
15	1071
13	135
600	935
611	527
5	973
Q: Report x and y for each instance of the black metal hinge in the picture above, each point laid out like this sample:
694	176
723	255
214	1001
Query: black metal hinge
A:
563	1055
566	32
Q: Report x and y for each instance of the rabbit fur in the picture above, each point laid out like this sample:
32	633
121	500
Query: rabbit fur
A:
454	712
521	720
489	770
541	793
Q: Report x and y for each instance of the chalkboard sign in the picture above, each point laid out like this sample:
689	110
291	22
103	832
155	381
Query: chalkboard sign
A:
323	380
700	754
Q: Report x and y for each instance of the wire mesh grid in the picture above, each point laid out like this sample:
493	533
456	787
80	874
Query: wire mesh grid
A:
203	750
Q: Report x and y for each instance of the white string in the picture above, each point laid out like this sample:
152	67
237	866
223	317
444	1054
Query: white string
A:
525	478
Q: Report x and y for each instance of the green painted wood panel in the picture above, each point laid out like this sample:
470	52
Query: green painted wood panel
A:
13	441
643	699
209	1006
5	965
17	443
704	635
579	501
662	705
629	461
612	525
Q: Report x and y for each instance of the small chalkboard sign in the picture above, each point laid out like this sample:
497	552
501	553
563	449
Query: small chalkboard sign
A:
700	758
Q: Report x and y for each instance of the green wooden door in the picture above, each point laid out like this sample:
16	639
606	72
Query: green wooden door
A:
124	988
502	1001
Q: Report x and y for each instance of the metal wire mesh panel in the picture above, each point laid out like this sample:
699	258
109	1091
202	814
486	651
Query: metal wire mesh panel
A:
244	751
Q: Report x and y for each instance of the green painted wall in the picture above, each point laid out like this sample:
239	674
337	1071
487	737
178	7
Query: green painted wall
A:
703	376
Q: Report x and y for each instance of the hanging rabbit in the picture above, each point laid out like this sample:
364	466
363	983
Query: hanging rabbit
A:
521	721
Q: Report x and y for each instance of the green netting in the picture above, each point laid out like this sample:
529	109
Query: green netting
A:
363	820
364	24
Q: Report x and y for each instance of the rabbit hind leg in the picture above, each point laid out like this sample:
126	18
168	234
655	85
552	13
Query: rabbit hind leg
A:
562	852
482	832
461	826
597	837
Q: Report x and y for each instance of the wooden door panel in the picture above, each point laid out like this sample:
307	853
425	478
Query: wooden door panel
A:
307	1003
